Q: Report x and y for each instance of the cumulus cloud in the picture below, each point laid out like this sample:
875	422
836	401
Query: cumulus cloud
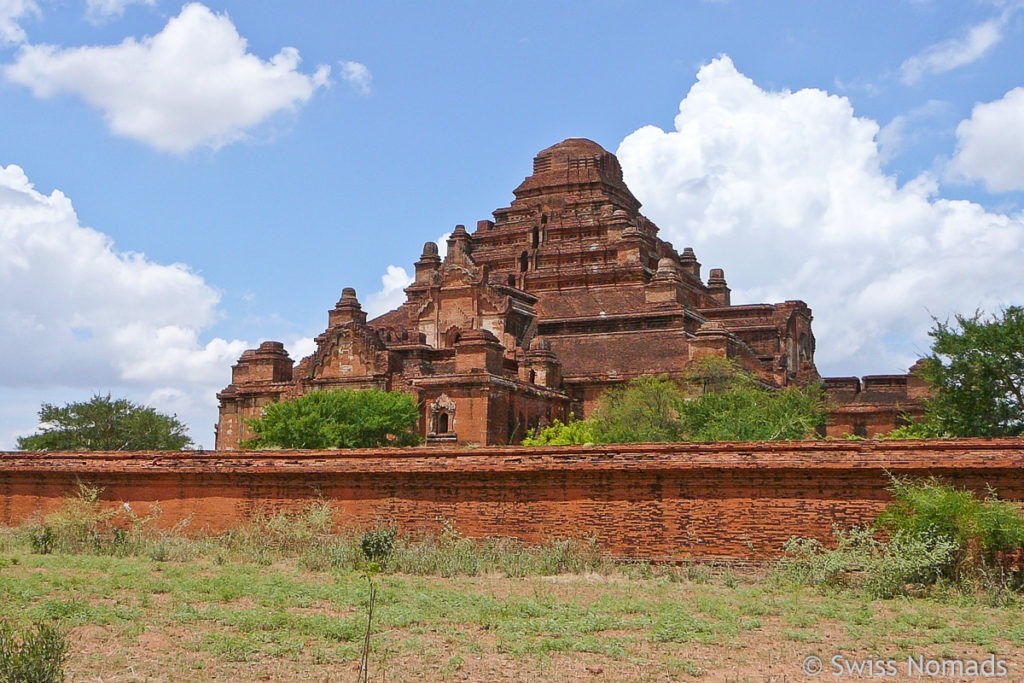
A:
990	144
950	54
392	293
76	313
786	191
358	76
11	14
300	347
192	84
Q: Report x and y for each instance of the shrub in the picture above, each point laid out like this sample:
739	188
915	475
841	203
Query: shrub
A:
560	434
377	544
32	656
883	569
984	532
936	533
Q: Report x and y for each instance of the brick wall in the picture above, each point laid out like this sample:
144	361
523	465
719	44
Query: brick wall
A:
661	501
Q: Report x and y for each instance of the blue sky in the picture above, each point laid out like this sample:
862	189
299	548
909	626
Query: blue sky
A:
182	181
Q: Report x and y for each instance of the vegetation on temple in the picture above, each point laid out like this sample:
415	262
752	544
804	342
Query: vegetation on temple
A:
339	418
105	424
977	369
718	401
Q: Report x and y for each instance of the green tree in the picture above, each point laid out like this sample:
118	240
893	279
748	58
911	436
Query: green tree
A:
718	401
645	409
339	418
976	367
106	424
749	412
734	405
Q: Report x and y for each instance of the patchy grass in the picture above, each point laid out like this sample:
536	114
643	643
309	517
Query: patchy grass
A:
136	618
286	599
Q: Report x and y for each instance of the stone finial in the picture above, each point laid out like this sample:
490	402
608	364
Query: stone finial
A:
347	309
348	294
666	285
719	290
689	262
428	263
271	347
459	246
666	266
268	363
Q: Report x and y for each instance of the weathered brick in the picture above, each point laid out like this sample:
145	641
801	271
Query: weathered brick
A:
736	501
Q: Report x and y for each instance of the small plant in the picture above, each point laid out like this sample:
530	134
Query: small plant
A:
32	656
42	540
364	659
378	544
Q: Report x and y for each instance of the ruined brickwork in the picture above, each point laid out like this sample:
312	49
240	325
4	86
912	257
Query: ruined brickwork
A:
566	292
737	501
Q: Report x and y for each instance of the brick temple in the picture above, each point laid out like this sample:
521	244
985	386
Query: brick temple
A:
533	315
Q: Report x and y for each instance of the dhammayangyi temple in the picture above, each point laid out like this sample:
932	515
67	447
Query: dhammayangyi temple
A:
566	293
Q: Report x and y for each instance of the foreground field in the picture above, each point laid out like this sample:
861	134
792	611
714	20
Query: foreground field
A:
137	618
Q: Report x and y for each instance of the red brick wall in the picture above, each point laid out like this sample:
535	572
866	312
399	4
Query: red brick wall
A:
662	501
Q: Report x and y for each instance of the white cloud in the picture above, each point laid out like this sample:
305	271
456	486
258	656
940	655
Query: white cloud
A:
300	347
990	144
785	190
11	14
907	129
77	314
950	54
442	244
358	76
98	10
191	84
392	293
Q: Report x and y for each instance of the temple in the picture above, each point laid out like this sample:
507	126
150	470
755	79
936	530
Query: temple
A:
533	315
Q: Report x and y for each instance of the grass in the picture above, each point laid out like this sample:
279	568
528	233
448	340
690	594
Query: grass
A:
286	599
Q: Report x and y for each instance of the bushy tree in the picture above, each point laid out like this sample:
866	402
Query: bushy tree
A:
339	418
646	409
746	411
106	424
976	369
718	401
